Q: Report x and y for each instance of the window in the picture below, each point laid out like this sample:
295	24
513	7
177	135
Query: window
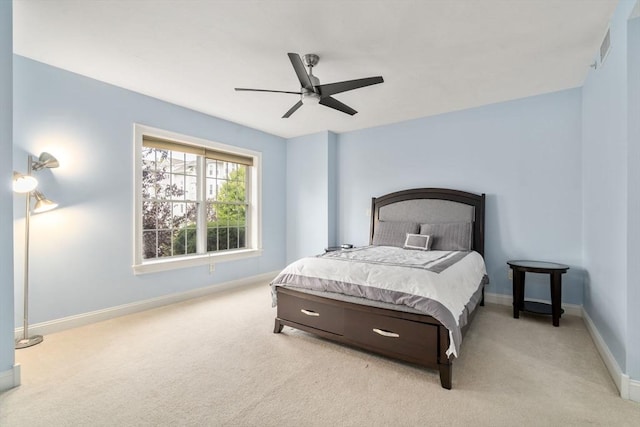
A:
197	201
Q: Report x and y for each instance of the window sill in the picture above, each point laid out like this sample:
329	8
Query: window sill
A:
193	261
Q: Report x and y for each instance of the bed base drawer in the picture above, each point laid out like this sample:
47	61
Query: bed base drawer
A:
406	339
311	313
409	337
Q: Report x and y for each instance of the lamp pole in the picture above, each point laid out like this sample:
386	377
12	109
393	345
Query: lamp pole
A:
27	341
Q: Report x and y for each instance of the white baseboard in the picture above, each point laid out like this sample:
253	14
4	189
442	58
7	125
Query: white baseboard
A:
607	357
629	389
634	390
502	299
10	378
57	325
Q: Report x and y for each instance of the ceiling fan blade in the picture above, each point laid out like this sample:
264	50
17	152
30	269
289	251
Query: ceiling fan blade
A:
301	72
292	109
333	88
266	90
337	105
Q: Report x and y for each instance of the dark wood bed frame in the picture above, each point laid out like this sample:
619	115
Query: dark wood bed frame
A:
413	338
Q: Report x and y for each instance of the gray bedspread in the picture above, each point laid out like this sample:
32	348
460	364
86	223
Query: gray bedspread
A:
442	284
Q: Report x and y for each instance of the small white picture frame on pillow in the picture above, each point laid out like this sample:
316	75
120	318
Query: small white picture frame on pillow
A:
420	242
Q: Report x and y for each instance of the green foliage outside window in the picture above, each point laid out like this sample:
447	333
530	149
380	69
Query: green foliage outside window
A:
168	231
219	238
233	191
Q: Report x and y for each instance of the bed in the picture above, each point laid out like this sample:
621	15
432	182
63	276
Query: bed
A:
346	296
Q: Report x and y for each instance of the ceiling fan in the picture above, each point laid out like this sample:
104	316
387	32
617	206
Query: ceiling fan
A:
312	92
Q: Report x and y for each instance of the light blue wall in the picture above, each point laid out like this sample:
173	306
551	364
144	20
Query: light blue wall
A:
81	253
633	190
6	195
308	194
332	171
606	188
524	154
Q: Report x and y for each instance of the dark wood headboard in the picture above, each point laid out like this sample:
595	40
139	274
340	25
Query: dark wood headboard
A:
471	205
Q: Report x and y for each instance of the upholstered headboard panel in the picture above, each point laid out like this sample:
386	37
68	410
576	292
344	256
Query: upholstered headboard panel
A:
431	205
427	211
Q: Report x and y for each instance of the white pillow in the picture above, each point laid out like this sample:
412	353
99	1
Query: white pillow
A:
417	241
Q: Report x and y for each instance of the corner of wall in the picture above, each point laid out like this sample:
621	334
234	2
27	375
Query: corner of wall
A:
635	13
7	357
629	389
332	188
10	378
611	326
310	197
633	197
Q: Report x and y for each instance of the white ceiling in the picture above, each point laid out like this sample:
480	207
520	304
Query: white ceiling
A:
435	56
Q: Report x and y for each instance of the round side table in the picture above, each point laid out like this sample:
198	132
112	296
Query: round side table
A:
555	272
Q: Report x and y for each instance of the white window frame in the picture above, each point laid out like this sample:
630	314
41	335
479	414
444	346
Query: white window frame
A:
254	214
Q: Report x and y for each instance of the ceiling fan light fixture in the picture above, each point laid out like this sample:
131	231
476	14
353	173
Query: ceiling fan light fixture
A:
310	98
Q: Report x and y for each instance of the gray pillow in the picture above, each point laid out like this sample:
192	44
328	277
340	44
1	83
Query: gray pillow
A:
393	233
449	236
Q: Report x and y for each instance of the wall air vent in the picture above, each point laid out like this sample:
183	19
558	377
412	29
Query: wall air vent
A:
605	47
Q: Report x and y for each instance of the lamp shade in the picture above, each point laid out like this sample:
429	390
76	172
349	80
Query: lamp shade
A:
45	160
23	183
42	203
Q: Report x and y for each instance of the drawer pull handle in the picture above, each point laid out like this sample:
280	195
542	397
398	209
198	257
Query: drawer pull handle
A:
386	333
309	312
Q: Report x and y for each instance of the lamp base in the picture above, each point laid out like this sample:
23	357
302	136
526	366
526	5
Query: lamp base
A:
28	342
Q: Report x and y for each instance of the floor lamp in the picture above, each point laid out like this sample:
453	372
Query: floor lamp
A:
27	184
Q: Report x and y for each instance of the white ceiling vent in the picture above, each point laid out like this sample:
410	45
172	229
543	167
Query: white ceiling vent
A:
605	47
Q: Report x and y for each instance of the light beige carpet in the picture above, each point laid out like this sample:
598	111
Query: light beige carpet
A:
215	361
